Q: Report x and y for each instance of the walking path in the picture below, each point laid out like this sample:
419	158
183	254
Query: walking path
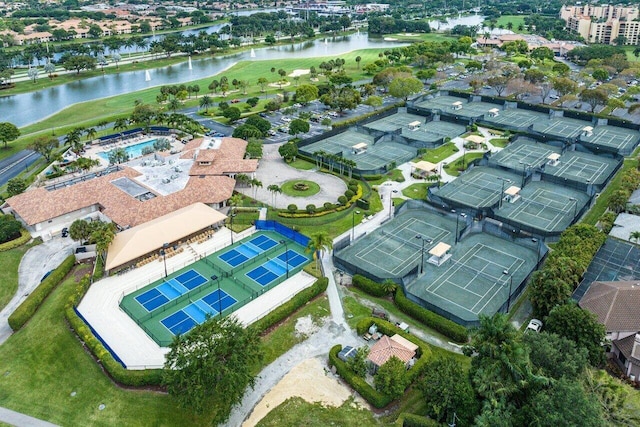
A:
17	419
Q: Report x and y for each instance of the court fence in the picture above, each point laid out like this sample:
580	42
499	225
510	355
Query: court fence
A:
287	232
97	335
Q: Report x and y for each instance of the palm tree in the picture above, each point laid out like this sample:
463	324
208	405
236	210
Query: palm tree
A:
319	243
242	178
91	133
389	286
174	104
319	156
635	235
205	102
274	189
72	139
358	59
262	82
120	124
255	184
85	163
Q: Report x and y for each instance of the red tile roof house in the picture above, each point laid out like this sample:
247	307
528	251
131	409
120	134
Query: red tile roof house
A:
617	307
212	182
387	347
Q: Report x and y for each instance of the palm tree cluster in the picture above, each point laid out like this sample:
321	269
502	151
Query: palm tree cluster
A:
332	160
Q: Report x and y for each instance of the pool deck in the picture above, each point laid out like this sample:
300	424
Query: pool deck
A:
100	306
92	151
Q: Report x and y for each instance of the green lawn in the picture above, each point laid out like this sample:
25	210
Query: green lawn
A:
499	142
416	191
438	154
428	37
310	188
516	20
629	51
302	164
453	169
10	260
295	412
53	364
393	175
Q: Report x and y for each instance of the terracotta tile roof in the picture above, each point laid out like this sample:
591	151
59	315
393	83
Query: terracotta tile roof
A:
40	205
228	158
616	304
385	348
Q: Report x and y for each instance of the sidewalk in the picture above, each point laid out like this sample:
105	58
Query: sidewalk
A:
14	418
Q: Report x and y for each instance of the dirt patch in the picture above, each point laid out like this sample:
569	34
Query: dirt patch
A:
297	73
305	327
309	380
81	271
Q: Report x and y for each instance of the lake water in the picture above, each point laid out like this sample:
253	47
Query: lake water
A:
32	107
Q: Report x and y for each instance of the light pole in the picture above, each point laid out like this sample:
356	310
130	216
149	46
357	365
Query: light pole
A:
163	252
419	236
525	166
353	224
391	201
502	189
575	206
216	278
510	285
286	254
232	216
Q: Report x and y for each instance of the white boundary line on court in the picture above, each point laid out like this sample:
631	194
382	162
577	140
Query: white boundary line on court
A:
587	164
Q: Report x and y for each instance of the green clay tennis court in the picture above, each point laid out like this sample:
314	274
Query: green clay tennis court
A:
447	104
393	249
517	118
544	207
620	139
561	127
476	279
216	285
394	122
523	153
432	132
375	156
583	167
480	187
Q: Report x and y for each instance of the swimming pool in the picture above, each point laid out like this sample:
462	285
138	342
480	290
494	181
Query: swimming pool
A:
133	151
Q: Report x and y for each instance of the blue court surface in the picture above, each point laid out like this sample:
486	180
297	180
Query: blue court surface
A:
195	313
170	290
276	267
248	250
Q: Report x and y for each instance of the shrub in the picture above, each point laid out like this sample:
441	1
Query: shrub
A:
328	205
292	207
369	286
412	420
311	208
9	228
349	194
24	238
342	200
372	177
370	394
444	326
29	306
353	182
288	308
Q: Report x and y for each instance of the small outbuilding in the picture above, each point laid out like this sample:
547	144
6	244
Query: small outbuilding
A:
553	159
457	105
439	254
423	169
587	130
494	112
387	347
415	125
360	148
512	194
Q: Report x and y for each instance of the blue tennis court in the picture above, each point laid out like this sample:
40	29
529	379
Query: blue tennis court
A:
248	250
276	267
195	313
170	289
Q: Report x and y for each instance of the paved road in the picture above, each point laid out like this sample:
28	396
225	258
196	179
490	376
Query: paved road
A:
16	164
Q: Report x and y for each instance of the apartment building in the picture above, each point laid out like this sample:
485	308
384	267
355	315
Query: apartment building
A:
607	24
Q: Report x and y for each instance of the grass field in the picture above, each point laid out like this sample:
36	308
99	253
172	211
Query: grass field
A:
428	37
53	364
438	154
416	191
10	261
516	20
453	169
288	188
295	412
302	164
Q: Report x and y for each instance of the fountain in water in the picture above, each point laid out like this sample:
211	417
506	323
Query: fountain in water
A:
253	53
147	76
325	41
190	67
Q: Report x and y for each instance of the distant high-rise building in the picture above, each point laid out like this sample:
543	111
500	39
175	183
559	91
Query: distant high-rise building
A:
605	24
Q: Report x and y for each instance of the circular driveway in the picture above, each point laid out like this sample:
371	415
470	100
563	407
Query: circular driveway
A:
273	170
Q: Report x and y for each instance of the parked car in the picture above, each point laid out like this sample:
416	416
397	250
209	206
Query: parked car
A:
534	325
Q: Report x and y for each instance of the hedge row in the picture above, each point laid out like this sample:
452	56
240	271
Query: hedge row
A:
356	120
369	286
134	378
370	394
412	420
304	214
288	308
435	321
12	244
29	306
389	329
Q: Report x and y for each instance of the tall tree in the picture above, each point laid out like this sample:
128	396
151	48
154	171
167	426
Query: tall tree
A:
45	146
404	87
391	378
318	244
8	132
212	365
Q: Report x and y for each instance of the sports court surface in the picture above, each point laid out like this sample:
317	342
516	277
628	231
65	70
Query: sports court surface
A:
217	284
376	156
583	167
561	127
392	250
476	279
480	187
523	153
620	139
543	207
515	118
616	260
394	122
444	103
432	132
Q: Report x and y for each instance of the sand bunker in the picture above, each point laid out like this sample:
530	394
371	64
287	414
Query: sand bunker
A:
307	380
297	73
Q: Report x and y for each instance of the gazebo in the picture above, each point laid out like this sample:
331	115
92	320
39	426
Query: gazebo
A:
512	194
359	148
494	112
587	130
457	105
553	159
474	141
423	169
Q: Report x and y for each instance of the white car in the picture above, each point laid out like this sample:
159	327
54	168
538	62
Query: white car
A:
535	325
